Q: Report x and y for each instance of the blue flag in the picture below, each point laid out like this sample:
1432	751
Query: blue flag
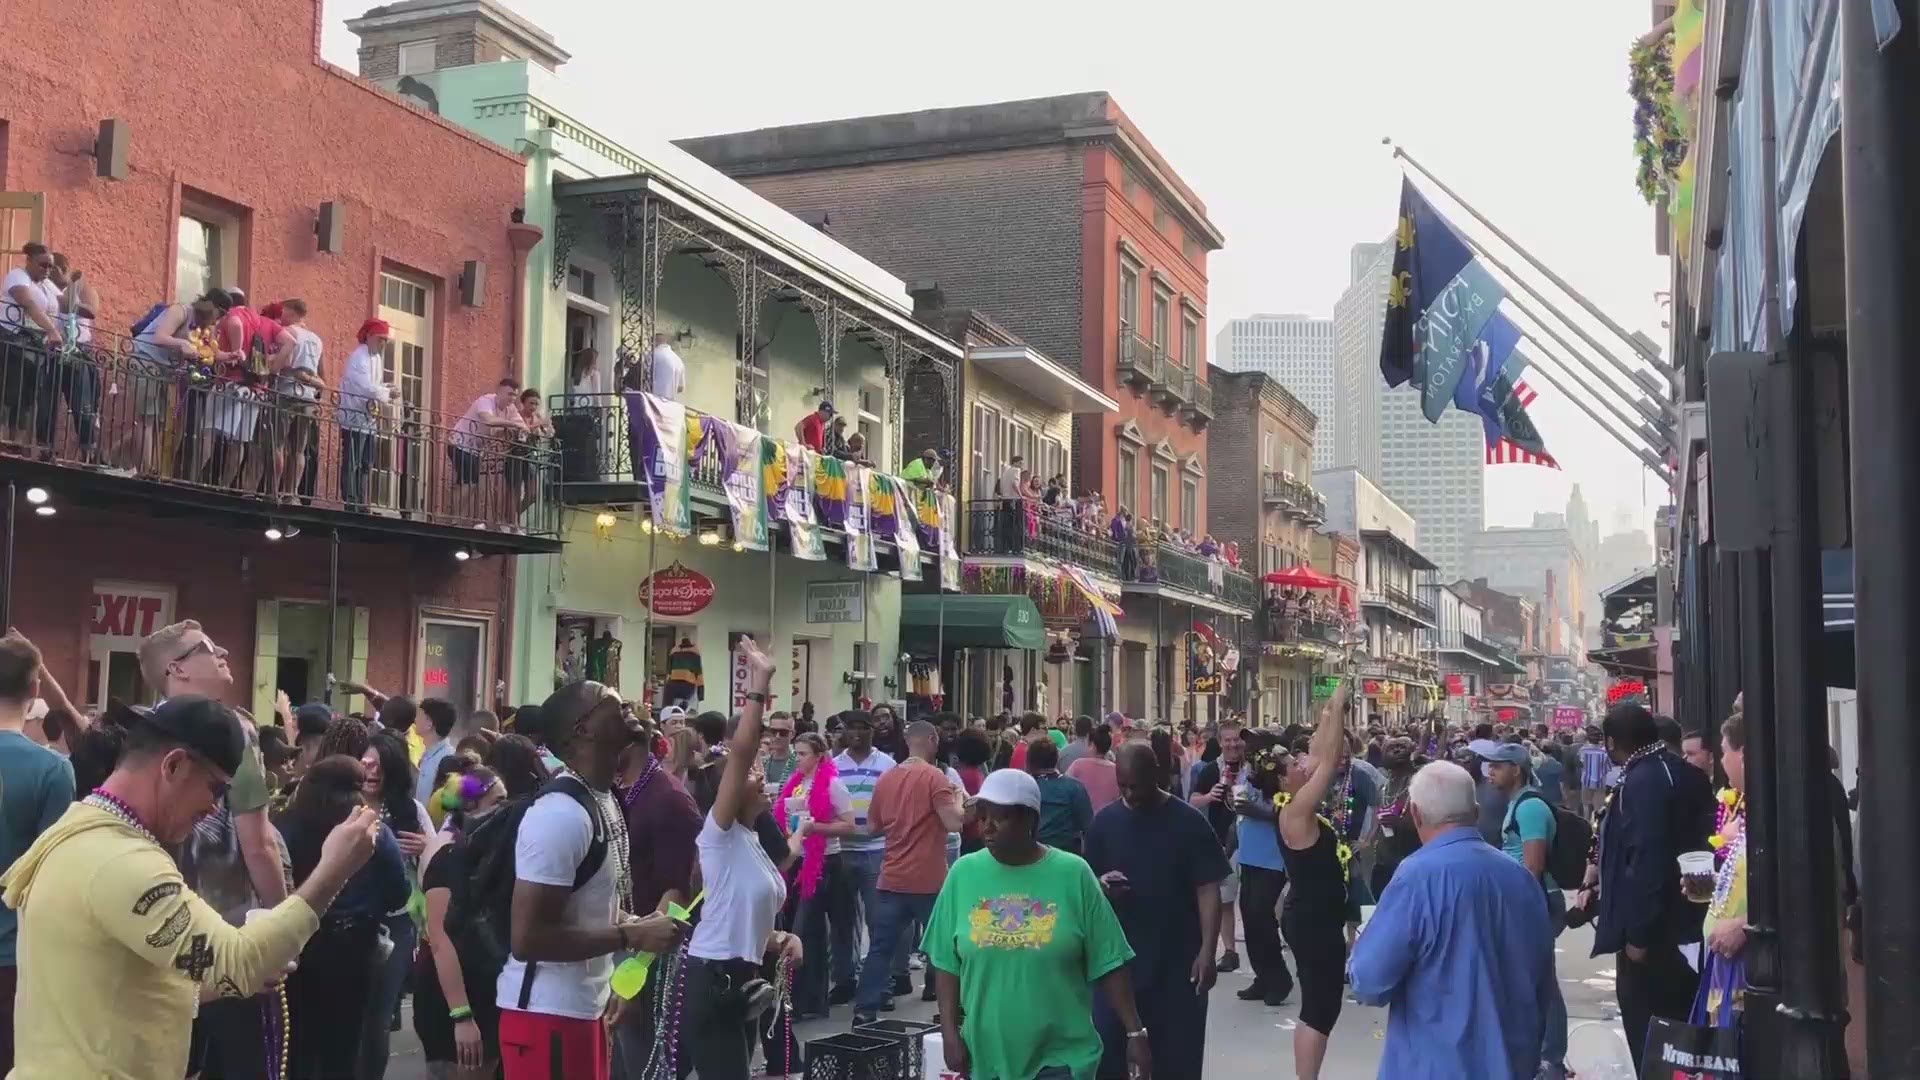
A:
1439	301
1491	387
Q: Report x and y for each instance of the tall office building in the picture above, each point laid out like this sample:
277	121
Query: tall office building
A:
1431	470
1359	318
1295	351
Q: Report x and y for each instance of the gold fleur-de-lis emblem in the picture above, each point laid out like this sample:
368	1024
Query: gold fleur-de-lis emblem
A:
1404	233
1398	288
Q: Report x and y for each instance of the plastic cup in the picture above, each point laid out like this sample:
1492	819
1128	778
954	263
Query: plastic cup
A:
1696	876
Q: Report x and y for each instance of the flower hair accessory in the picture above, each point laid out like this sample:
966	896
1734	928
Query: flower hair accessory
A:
461	791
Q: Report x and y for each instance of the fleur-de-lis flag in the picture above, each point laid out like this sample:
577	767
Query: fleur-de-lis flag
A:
1446	335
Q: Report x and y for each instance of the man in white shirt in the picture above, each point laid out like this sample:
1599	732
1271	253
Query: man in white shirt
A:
564	930
29	317
669	371
1013	512
860	768
490	423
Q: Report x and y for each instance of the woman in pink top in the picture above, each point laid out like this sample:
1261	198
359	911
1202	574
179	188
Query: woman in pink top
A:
1095	772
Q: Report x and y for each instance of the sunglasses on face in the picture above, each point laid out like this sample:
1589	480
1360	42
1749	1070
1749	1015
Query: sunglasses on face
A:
780	731
203	644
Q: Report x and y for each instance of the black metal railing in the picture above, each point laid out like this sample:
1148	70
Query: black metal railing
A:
1407	603
1175	567
1139	359
1291	628
1479	646
1293	496
120	407
998	527
595	436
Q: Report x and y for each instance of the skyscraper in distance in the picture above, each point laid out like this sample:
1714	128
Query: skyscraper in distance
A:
1296	351
1359	318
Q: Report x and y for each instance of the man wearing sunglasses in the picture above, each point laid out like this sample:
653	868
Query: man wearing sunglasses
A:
229	857
108	927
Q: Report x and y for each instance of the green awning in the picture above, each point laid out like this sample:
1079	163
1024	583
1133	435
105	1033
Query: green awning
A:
969	622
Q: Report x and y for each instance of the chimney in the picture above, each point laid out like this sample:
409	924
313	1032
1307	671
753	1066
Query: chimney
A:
413	39
928	297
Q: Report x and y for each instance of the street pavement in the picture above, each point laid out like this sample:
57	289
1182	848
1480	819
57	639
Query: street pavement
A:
1247	1039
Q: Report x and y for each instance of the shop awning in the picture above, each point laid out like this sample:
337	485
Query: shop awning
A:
969	622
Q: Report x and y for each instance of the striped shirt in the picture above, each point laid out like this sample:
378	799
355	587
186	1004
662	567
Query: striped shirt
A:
860	778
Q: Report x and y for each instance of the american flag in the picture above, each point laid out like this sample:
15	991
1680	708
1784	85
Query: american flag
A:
1507	452
1523	393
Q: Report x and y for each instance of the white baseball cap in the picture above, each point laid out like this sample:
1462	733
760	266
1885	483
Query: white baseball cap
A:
1010	787
672	712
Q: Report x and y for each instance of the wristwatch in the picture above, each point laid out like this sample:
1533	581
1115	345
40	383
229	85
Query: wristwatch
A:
757	697
1141	1034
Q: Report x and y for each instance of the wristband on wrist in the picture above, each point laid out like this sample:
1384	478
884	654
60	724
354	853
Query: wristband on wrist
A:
757	697
460	1012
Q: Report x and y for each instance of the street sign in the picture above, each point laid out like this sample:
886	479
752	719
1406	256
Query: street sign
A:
677	591
835	602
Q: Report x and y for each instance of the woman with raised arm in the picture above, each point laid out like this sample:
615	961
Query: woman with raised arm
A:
1313	917
743	893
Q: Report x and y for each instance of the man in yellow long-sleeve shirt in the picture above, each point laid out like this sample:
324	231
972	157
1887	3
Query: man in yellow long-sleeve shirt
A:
109	929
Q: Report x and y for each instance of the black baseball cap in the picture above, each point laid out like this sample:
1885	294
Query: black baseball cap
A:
201	725
313	718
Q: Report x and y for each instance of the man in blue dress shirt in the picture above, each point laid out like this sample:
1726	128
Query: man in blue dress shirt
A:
1459	947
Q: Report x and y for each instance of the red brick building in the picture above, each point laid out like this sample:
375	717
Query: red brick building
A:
1056	217
1059	220
249	162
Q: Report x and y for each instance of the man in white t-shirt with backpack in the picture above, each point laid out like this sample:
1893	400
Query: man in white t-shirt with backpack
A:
571	869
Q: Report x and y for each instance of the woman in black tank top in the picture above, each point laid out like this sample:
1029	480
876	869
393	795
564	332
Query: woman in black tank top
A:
1317	860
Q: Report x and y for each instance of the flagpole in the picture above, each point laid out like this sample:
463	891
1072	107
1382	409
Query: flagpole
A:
1662	415
1553	381
1653	464
1645	353
1571	372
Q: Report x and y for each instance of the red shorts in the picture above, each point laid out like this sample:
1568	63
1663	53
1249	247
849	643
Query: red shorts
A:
536	1046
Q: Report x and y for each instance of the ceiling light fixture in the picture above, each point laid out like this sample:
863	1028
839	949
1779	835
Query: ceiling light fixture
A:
274	533
38	495
462	554
44	511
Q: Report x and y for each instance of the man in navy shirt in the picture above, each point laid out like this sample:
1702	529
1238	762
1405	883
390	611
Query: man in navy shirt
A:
1663	809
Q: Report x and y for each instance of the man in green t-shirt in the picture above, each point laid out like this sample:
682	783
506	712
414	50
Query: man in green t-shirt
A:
1020	923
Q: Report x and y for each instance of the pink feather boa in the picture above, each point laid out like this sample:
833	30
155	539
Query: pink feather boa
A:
813	849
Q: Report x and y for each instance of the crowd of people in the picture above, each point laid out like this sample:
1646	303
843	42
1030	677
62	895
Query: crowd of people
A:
218	393
579	888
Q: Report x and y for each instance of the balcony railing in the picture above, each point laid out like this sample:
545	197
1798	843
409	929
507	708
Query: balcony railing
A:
1199	400
596	453
1277	626
1165	564
1139	361
1176	388
996	527
120	408
1402	601
1294	497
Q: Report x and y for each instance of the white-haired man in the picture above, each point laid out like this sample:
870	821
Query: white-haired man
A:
1459	948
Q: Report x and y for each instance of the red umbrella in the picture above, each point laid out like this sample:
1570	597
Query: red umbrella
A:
1304	577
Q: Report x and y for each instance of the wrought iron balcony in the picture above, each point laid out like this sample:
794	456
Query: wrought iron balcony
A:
131	421
1401	602
1199	402
1175	390
596	454
1293	497
1139	361
1281	628
996	527
1175	567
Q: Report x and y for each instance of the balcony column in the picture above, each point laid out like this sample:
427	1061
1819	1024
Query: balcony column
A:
826	320
743	274
633	238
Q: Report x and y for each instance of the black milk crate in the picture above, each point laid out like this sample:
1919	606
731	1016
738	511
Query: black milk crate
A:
911	1063
850	1056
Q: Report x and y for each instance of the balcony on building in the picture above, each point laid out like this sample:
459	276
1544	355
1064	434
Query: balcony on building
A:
1175	389
673	265
1406	604
1294	498
1158	567
1197	409
102	423
1140	362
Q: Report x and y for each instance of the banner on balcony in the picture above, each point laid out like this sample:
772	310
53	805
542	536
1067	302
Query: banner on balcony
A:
830	490
745	483
786	473
1104	612
926	512
859	518
949	552
658	428
900	500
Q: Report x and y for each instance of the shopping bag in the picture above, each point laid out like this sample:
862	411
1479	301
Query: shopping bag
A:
1681	1051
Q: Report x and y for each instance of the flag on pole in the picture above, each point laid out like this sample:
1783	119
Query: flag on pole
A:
1446	333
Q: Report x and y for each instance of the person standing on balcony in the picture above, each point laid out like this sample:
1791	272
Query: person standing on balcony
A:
1010	488
1121	530
537	431
836	442
923	470
492	422
361	397
812	428
583	373
76	374
29	331
299	385
669	371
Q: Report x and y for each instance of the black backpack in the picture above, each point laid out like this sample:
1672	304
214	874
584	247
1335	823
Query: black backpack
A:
1572	841
479	919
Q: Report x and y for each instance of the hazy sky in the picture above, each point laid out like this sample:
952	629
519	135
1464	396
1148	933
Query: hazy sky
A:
1272	112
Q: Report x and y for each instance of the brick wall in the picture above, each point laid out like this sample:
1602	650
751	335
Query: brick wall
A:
1233	478
998	231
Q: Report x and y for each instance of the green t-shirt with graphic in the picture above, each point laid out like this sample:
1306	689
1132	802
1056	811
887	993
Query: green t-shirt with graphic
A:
1027	942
